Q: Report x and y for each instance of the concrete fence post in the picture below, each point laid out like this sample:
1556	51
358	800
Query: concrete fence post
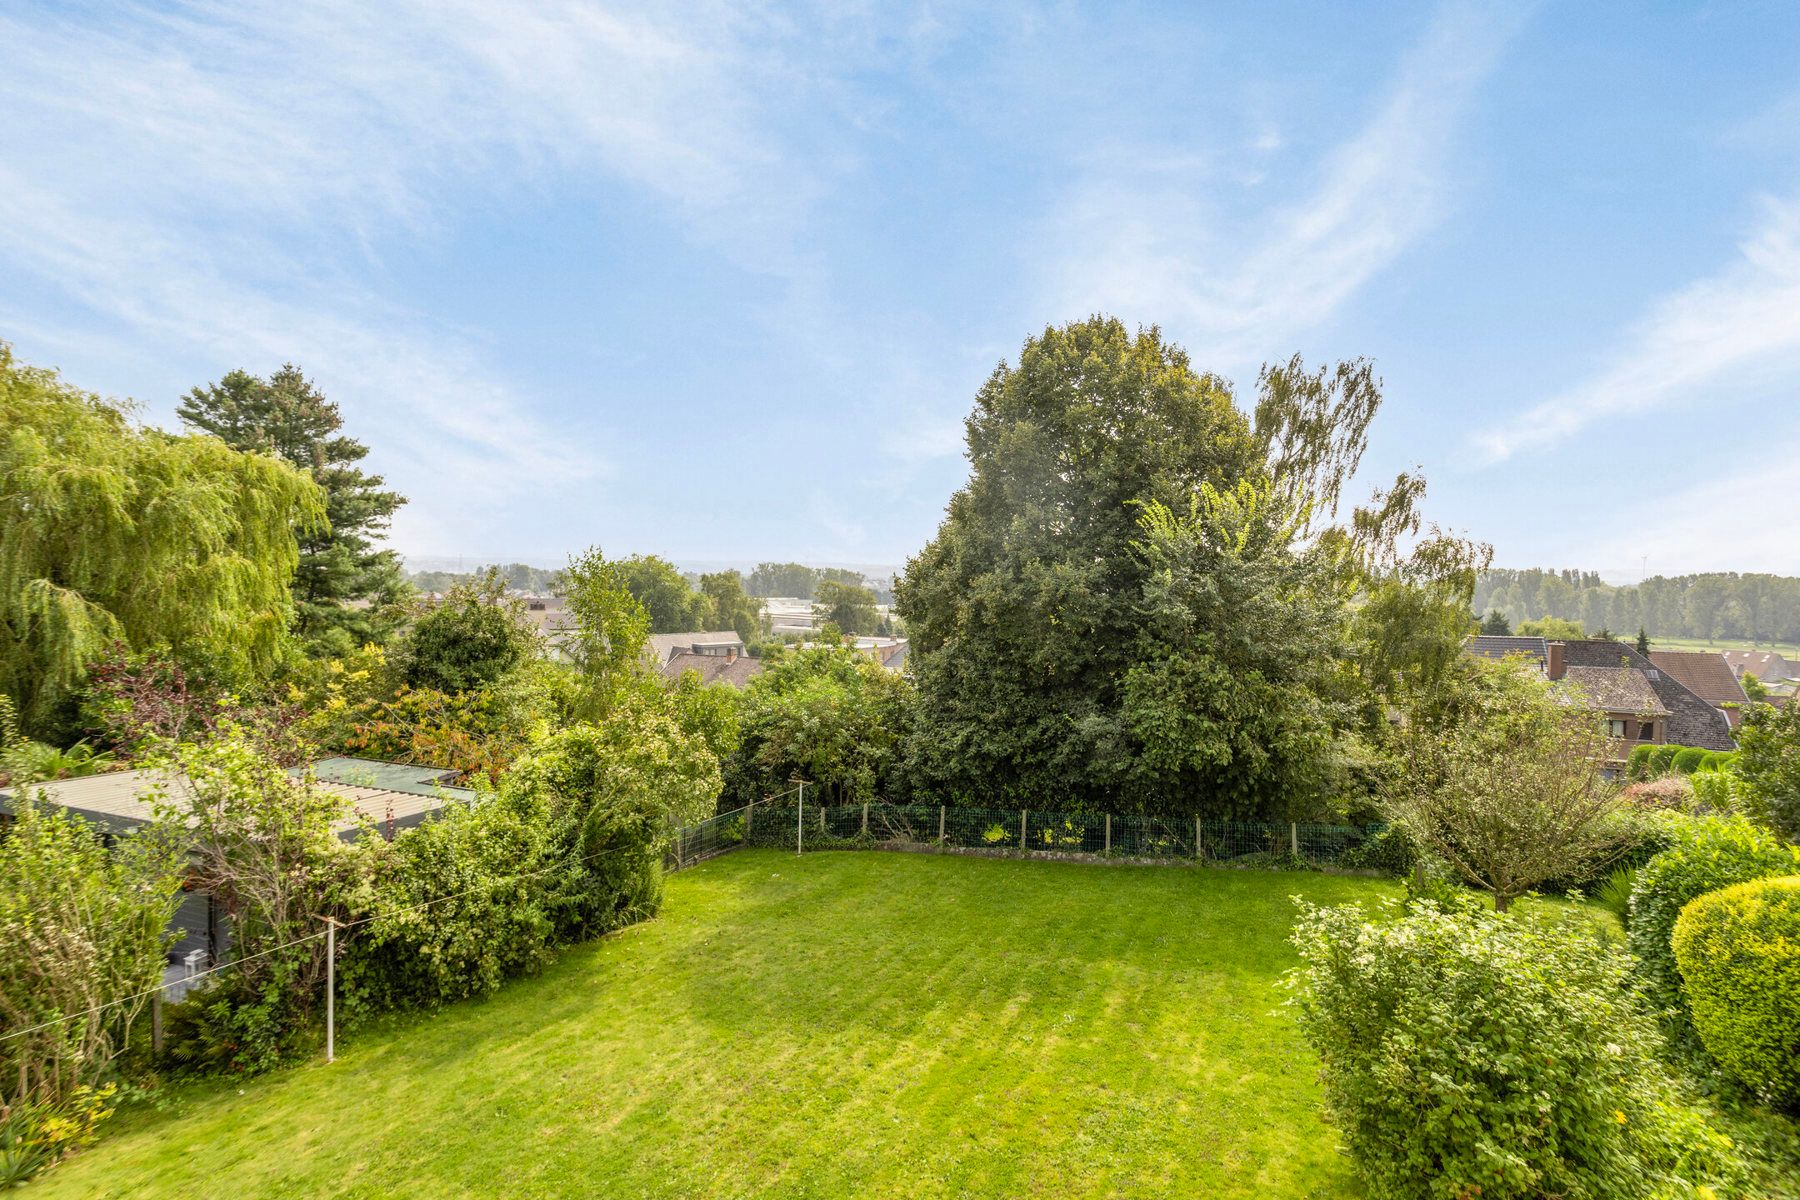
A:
1294	838
1109	833
1196	838
156	1034
865	818
941	824
1021	829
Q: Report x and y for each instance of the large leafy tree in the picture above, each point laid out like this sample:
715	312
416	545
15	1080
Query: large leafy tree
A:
110	532
287	416
1022	610
674	607
1139	599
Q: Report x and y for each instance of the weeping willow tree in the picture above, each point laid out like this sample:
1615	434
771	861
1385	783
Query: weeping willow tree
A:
114	532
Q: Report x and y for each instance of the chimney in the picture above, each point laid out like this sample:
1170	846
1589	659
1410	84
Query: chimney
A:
731	654
1554	668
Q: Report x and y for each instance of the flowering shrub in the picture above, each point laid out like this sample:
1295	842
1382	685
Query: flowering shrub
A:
1739	954
35	1134
1469	1054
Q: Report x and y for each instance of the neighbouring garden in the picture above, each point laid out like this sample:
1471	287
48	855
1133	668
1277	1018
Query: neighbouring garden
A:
1568	972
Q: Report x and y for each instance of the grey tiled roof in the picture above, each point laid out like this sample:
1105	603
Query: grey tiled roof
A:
737	670
1615	689
1490	645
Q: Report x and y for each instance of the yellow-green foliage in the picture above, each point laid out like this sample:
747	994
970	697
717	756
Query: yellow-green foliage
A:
1739	953
112	531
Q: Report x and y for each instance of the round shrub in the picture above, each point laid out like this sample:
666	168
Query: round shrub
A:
1661	757
1388	850
1739	954
1688	760
1468	1053
1718	760
1709	853
1637	763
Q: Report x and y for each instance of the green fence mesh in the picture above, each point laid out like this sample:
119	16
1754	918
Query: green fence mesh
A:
783	824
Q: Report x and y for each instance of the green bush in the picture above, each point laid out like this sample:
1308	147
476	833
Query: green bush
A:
1688	760
1388	850
1718	760
486	871
1709	853
1495	1055
1637	763
1661	758
1739	954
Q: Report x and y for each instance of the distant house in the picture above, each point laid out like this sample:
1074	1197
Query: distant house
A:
890	652
1709	676
1634	712
1534	649
1688	720
732	667
392	796
1766	665
662	646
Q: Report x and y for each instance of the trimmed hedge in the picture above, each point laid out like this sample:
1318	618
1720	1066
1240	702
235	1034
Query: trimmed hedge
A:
1709	853
1687	760
1739	954
1662	756
1637	763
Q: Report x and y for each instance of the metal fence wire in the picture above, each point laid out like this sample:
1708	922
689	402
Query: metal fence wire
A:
785	824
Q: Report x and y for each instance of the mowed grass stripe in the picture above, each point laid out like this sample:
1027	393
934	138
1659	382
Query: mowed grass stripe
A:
836	1025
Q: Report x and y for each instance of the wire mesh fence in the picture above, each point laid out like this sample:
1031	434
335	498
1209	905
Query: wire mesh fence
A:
787	823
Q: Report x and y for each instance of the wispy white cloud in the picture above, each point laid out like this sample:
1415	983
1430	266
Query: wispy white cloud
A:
1709	334
221	179
1149	244
1721	523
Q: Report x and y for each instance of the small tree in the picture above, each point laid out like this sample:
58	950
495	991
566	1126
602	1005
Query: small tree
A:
81	926
1495	624
849	606
1754	688
1768	761
1554	628
263	844
1500	776
606	644
467	641
1643	642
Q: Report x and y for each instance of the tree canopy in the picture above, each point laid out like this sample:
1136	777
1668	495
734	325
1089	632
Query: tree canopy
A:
287	416
847	606
114	532
673	605
1140	599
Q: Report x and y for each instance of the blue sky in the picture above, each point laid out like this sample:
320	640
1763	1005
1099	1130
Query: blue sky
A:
719	282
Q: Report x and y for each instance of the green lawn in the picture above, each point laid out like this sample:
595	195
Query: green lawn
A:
839	1025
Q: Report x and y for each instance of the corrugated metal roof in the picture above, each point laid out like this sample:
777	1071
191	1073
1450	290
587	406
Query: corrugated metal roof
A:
122	800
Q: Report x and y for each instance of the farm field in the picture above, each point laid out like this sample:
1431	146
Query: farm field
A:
1785	649
844	1024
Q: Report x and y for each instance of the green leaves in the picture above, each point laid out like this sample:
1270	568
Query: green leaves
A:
109	531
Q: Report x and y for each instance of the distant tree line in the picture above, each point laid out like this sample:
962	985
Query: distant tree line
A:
1755	608
517	576
797	579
